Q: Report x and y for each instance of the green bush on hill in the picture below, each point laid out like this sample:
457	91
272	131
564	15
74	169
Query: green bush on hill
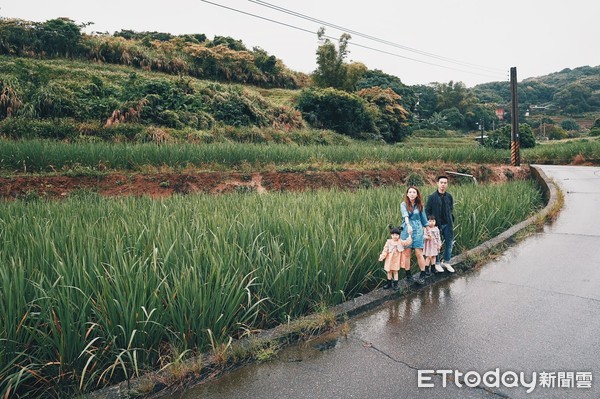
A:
337	110
500	138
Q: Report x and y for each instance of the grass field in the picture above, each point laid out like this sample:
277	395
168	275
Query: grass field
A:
50	156
118	289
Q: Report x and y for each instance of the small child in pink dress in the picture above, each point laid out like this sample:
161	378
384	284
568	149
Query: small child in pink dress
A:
433	244
393	255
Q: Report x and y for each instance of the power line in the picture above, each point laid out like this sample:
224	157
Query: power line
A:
351	43
258	16
387	42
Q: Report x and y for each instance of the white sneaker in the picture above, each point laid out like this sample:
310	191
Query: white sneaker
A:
448	267
439	268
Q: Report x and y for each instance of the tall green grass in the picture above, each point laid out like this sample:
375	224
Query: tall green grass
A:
95	291
42	156
46	156
564	152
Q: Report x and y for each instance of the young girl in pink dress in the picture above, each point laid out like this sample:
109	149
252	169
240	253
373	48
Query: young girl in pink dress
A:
432	246
392	253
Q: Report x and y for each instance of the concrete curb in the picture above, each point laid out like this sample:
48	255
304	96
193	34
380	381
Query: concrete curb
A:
150	383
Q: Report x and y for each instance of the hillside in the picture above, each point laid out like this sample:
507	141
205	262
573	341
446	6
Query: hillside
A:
59	83
570	91
73	99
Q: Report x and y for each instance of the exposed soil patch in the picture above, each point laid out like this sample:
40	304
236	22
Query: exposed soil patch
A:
165	184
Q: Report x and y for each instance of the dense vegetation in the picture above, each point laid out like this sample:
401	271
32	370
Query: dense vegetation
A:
570	91
342	96
131	284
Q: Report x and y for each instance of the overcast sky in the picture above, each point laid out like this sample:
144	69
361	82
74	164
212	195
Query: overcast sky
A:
420	41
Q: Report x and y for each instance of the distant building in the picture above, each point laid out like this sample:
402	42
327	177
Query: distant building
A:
500	112
536	109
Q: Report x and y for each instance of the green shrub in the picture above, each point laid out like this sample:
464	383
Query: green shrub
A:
569	124
55	37
170	118
198	136
10	98
21	128
245	135
287	118
430	133
390	117
53	100
320	137
414	179
336	110
235	107
116	132
555	133
500	138
595	131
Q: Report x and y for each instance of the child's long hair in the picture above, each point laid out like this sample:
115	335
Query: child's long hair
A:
418	200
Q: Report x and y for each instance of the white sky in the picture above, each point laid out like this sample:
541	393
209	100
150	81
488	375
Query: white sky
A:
541	36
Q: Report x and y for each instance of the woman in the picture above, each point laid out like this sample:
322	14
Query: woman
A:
413	221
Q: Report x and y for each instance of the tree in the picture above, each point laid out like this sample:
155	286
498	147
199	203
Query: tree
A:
453	117
481	116
493	92
456	95
377	78
426	101
59	36
331	70
231	43
265	62
555	133
337	110
390	117
437	122
569	124
355	72
573	99
501	138
16	36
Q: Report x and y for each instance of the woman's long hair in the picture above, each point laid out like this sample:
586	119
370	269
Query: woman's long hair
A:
418	200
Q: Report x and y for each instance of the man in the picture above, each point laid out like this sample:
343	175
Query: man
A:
441	205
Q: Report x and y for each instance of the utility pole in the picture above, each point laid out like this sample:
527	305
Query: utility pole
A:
482	128
515	157
417	108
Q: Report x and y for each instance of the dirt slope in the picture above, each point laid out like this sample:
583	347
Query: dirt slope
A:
164	184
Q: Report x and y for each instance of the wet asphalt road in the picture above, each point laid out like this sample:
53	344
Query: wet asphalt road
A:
535	309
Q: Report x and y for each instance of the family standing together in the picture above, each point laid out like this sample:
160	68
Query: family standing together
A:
424	228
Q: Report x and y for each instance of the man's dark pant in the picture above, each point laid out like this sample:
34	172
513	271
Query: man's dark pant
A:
447	235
